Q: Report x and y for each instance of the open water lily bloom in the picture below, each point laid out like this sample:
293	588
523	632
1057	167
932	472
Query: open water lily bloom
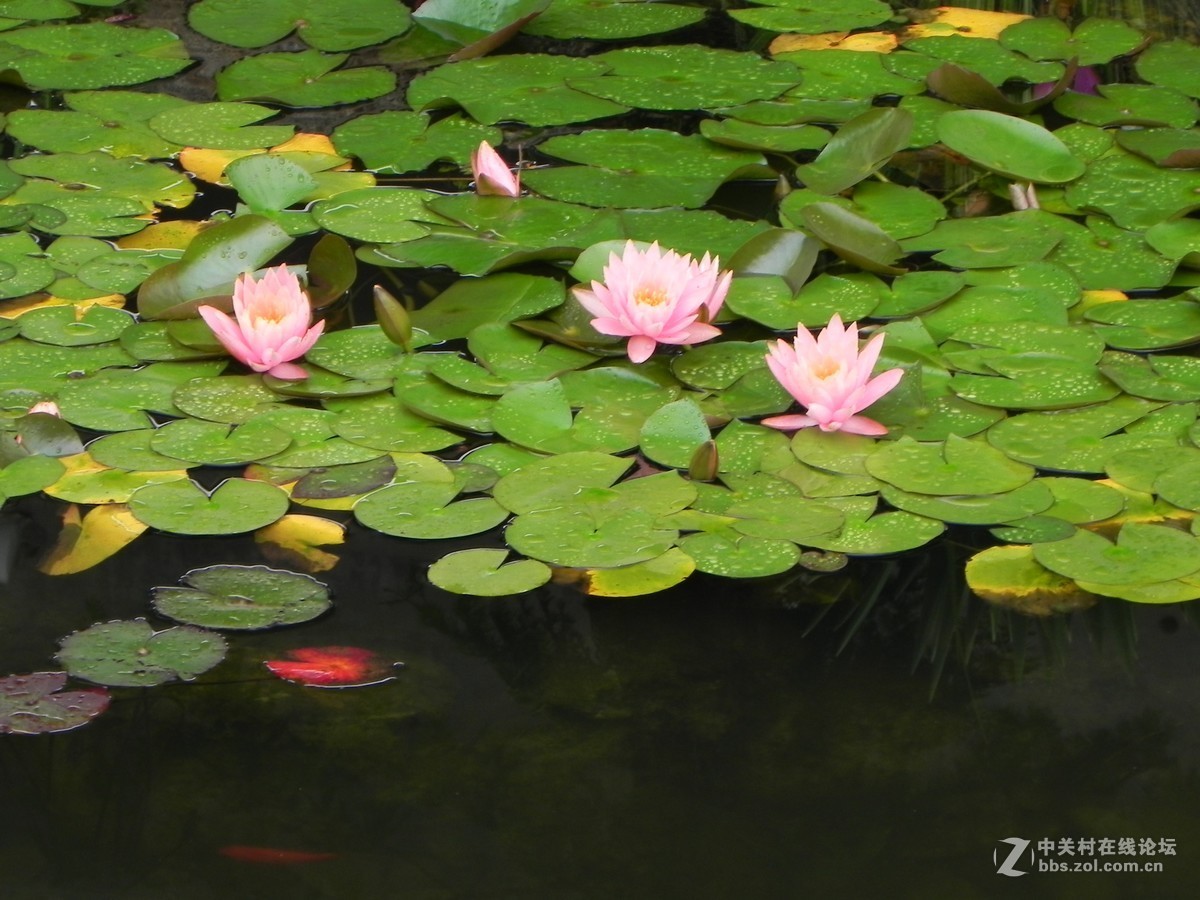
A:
656	296
831	378
492	174
272	323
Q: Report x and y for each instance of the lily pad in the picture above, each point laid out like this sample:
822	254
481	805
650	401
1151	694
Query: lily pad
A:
813	16
111	121
611	20
37	704
220	126
1142	554
404	141
242	598
859	148
527	88
956	466
320	24
484	573
1010	146
132	654
643	169
576	536
92	55
423	511
182	507
305	79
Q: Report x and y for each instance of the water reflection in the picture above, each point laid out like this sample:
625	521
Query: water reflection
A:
693	744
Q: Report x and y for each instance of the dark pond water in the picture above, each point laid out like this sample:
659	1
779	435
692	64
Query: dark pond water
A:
687	745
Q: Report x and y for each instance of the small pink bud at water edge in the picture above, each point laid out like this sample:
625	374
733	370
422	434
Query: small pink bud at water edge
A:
492	175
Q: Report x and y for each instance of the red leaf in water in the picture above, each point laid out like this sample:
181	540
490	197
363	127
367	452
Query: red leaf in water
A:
332	667
272	856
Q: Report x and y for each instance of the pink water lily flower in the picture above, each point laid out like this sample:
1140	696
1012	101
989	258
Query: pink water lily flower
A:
656	296
272	323
831	379
492	174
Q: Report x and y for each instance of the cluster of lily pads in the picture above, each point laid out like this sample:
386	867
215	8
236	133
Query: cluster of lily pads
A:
1044	395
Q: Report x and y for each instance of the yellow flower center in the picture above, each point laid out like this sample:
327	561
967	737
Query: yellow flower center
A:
826	367
650	295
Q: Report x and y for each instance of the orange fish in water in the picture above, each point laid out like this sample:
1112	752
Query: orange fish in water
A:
273	856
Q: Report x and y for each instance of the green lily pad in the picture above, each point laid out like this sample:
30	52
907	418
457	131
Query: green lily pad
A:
917	292
731	555
384	424
66	326
1139	469
1035	382
538	415
1080	501
181	507
1142	554
1178	486
403	141
470	303
37	704
1103	256
242	598
497	232
109	121
852	237
220	126
974	509
350	480
307	79
118	399
132	654
791	518
866	533
557	481
29	474
577	536
1171	64
673	433
424	511
381	214
216	444
611	20
1147	324
483	573
1076	440
1174	148
1134	192
93	55
1159	378
772	138
644	168
528	88
686	77
320	24
1011	239
1094	41
231	399
131	450
844	75
983	56
860	148
23	269
1010	146
813	16
956	466
1129	104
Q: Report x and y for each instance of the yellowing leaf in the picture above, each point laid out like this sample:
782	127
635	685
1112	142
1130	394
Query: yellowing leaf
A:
294	539
951	20
867	42
174	235
83	543
10	309
209	164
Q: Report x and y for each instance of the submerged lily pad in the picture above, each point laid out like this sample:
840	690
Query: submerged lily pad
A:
242	598
132	654
37	704
333	667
